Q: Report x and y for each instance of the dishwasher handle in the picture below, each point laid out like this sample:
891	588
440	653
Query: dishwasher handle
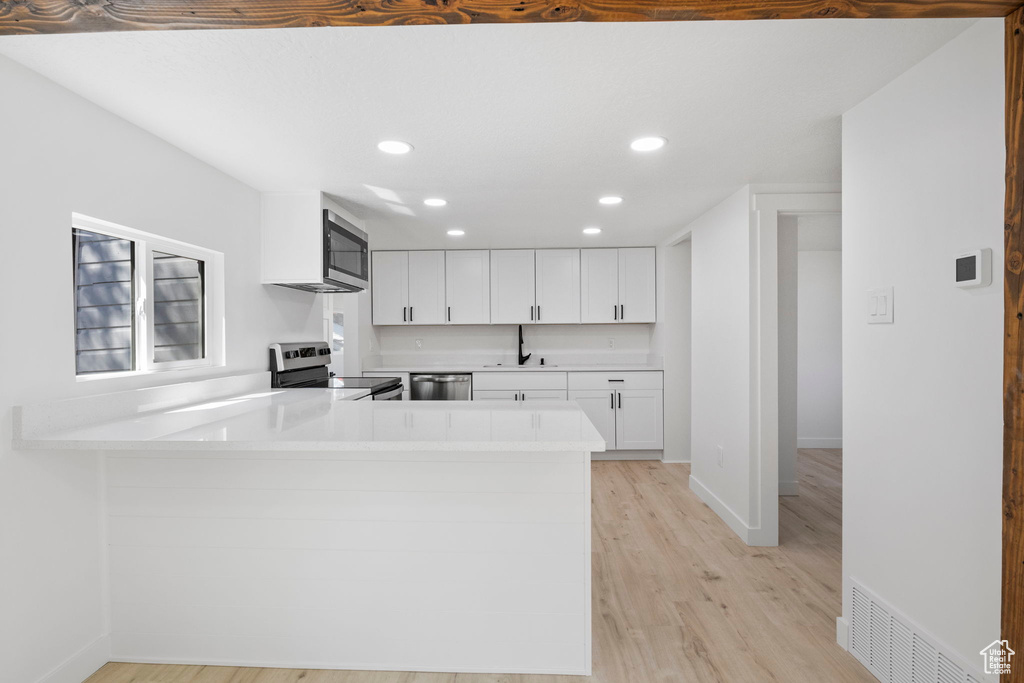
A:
440	378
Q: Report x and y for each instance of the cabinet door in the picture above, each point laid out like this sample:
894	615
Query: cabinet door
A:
495	395
543	395
599	285
637	299
426	288
558	286
389	287
639	420
599	408
468	283
513	297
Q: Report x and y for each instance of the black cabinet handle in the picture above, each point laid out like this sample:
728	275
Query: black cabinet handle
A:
403	314
538	312
620	401
622	311
615	311
410	314
531	312
449	314
613	400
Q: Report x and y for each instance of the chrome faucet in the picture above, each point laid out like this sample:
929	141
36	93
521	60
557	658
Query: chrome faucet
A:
522	358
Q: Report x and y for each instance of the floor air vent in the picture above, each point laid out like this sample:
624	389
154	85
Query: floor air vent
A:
895	650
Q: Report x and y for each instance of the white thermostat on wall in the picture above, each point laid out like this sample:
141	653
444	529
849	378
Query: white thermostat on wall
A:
974	268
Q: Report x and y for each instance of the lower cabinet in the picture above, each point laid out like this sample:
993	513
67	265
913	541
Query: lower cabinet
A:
519	386
600	408
627	407
518	395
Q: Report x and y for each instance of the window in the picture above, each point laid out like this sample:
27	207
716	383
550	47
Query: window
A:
142	302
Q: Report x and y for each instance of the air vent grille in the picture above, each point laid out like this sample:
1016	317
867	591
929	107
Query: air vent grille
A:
895	650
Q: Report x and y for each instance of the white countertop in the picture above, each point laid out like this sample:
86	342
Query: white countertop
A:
328	420
512	367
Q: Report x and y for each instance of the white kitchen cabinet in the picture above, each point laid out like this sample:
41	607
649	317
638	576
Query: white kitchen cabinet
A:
639	419
495	395
542	395
637	285
426	288
600	408
626	407
513	286
618	285
599	285
519	395
408	287
468	287
558	286
389	287
519	386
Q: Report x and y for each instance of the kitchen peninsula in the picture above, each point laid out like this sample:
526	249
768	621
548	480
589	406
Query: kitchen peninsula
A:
294	528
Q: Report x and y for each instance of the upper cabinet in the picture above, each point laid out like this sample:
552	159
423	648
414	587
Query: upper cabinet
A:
618	285
558	286
468	283
535	286
599	284
408	288
513	286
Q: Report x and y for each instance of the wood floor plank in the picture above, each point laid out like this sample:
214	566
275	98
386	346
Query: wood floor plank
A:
677	596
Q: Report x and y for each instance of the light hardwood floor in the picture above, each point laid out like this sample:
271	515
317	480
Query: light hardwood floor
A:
677	597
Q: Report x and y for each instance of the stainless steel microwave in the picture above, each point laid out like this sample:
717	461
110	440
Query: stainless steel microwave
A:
346	256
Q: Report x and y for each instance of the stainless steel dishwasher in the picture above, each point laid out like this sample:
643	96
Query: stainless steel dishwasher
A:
441	387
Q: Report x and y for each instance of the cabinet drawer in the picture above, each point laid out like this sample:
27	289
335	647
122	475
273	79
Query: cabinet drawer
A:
519	381
632	379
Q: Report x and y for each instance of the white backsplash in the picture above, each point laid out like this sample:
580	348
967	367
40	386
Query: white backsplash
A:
486	344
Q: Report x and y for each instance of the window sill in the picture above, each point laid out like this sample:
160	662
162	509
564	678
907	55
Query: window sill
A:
97	376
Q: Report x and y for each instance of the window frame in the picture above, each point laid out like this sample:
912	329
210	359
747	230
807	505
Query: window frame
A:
143	306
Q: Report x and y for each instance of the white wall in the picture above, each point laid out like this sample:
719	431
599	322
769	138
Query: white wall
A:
923	163
820	343
670	341
69	155
721	348
789	353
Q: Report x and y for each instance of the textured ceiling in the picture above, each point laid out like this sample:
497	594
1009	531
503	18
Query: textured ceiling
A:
520	128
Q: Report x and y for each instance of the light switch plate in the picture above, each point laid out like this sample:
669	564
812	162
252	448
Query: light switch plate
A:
880	305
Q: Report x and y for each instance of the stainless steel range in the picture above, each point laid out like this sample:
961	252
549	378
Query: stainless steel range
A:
303	365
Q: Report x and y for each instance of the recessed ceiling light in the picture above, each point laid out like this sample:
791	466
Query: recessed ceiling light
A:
435	201
456	233
648	144
591	231
610	200
394	147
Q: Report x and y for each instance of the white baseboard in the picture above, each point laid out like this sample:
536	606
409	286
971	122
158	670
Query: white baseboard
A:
82	664
819	442
627	455
749	535
789	488
843	633
346	666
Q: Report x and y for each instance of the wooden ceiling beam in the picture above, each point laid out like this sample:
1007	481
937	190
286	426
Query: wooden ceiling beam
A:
91	16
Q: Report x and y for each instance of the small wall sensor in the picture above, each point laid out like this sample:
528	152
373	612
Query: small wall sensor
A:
974	268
